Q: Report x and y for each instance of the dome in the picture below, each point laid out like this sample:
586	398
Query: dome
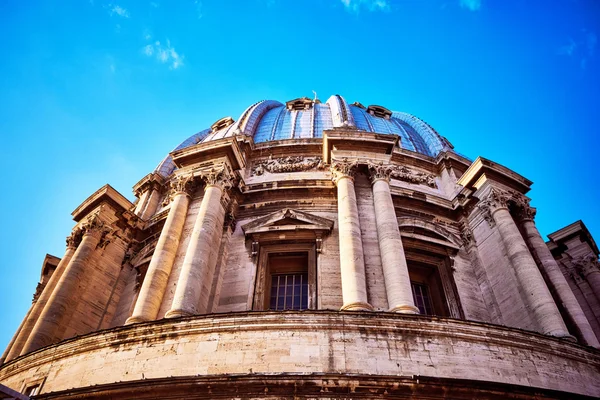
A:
304	118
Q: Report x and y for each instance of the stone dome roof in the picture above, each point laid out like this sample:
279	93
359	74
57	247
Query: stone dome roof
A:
305	118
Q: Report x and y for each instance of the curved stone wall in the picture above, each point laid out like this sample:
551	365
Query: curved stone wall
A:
317	342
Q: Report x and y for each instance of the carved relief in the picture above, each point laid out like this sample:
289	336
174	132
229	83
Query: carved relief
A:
466	235
230	215
405	174
287	164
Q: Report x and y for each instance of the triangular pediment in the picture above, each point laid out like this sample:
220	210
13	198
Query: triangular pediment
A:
288	219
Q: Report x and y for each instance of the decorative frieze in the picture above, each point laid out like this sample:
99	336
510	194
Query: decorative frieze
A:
405	174
287	164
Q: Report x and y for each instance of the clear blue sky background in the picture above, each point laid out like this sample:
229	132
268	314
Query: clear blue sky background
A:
96	92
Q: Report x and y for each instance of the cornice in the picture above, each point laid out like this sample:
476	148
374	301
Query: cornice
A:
105	194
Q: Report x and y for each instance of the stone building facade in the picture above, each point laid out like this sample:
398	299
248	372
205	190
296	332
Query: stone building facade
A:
314	250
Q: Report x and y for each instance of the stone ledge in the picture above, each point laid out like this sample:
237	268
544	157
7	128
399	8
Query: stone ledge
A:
311	341
313	385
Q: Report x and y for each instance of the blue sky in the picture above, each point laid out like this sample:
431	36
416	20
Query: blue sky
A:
97	92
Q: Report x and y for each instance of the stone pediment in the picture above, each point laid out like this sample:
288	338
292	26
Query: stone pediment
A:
288	220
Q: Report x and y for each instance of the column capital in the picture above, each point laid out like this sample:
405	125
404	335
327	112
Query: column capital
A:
74	239
524	210
94	226
379	171
182	184
343	168
495	200
220	176
586	265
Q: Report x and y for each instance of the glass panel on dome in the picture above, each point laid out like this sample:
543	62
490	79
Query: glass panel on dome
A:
360	119
283	130
323	119
379	124
265	126
417	139
405	140
303	128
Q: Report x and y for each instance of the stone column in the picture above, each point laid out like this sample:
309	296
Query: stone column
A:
66	294
37	308
153	289
352	263
205	238
537	295
152	203
142	202
589	268
395	269
554	274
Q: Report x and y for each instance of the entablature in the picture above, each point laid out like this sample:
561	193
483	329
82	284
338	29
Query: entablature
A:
106	194
206	152
483	170
362	144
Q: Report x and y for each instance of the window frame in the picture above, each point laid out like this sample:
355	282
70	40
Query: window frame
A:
262	286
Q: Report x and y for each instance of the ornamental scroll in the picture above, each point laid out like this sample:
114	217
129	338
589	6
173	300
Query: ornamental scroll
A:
287	164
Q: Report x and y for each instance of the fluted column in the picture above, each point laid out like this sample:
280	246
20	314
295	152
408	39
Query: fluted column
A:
37	308
67	293
205	239
554	274
352	263
589	268
537	295
395	268
153	289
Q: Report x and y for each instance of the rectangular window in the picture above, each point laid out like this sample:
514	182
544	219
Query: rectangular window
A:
32	390
286	277
289	291
422	299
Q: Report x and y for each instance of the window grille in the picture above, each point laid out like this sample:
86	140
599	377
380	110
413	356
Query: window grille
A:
289	291
422	299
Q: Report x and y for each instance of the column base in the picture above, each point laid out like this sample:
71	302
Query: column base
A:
567	337
177	314
357	306
405	309
134	320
